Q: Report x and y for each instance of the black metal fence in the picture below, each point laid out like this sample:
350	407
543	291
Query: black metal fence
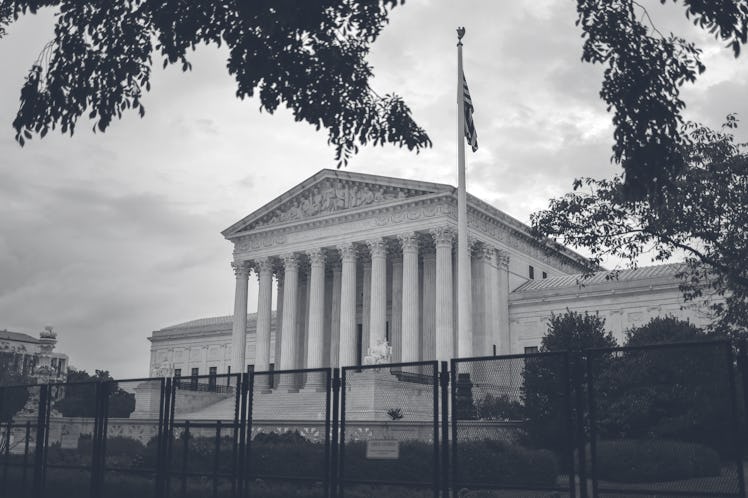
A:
666	420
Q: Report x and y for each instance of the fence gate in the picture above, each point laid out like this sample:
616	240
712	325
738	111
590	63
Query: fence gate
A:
389	429
22	440
288	433
204	437
512	424
663	420
132	438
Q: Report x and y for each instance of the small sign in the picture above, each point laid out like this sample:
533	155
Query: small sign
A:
382	449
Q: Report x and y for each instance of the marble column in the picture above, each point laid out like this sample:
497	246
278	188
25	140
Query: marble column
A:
428	347
366	306
378	308
335	317
410	292
443	237
480	276
239	330
288	335
279	277
264	311
396	309
504	340
347	355
315	337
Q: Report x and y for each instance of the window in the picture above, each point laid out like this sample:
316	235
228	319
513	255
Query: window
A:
193	379
545	275
177	372
531	349
212	372
532	272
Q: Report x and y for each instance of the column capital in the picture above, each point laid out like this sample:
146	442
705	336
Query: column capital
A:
484	251
241	268
263	265
502	259
347	251
377	248
443	236
408	241
290	262
317	256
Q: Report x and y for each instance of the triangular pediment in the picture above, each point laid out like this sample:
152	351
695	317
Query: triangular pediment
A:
330	192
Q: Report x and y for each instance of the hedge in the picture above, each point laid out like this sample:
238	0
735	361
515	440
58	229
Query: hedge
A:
636	461
501	463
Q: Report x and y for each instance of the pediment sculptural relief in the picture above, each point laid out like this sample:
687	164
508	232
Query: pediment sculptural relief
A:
330	197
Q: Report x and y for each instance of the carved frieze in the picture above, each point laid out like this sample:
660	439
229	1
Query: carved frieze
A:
331	196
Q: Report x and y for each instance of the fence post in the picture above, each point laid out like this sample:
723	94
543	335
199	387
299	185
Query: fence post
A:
341	455
735	419
328	415
578	379
593	425
335	443
444	383
569	423
39	456
453	384
435	380
163	424
743	367
96	442
245	465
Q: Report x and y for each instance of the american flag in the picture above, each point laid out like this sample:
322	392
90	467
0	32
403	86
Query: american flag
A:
470	134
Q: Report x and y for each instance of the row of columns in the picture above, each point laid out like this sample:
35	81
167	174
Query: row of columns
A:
410	312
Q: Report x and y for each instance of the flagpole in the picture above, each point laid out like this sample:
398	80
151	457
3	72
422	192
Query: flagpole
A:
464	292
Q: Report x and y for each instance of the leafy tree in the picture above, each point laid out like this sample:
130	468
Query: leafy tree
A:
13	391
679	392
79	395
309	56
545	377
644	72
702	217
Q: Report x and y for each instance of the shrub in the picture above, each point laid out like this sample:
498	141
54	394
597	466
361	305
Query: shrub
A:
501	463
635	461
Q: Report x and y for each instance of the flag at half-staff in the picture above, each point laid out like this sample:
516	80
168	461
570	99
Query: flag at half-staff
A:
465	133
470	134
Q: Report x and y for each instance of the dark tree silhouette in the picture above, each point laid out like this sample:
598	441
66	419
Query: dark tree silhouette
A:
308	56
79	395
544	388
703	217
644	72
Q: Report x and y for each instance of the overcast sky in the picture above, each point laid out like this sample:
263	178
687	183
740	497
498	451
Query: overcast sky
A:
108	237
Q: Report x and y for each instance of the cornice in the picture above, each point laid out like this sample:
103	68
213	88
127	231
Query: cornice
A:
598	291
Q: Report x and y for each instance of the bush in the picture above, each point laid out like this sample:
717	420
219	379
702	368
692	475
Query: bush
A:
501	463
633	461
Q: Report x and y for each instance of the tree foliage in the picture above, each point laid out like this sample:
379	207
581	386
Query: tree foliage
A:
79	395
545	377
308	56
14	390
677	392
644	72
702	218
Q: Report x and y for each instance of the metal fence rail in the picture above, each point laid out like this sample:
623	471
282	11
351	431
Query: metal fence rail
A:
664	420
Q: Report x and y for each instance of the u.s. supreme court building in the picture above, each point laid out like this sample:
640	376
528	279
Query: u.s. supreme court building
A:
357	262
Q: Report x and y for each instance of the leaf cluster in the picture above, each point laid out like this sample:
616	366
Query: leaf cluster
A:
644	71
309	56
702	219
